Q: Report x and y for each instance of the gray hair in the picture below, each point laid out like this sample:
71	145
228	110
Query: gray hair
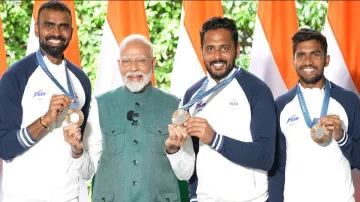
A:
135	38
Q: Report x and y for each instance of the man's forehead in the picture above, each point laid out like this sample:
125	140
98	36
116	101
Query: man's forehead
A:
55	15
309	46
135	48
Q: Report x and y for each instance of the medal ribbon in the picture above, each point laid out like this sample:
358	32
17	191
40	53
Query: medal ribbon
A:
305	110
69	93
201	93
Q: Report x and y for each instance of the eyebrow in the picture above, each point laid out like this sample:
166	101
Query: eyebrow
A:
303	52
53	23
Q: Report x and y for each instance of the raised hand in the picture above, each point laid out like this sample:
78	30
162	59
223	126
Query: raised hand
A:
176	139
200	128
332	124
57	105
72	135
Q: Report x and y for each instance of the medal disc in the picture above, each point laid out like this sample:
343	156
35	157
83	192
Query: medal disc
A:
319	133
180	116
75	116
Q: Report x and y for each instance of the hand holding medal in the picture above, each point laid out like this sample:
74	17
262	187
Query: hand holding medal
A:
58	103
332	124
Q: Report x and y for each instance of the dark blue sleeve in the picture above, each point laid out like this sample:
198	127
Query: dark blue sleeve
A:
85	109
13	139
350	142
258	154
277	172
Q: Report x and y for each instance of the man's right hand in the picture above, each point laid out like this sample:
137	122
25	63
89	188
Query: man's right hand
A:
57	105
176	139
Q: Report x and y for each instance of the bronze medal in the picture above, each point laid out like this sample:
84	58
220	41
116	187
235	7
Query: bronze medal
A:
75	116
319	133
180	116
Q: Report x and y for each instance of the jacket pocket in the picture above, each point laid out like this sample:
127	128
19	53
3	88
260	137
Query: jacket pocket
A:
158	136
167	197
103	196
114	139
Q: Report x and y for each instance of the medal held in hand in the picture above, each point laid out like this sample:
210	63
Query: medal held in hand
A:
318	133
74	115
181	115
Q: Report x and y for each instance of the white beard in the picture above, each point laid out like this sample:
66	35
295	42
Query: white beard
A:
136	86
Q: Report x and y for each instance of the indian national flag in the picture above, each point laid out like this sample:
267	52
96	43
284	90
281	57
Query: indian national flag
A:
188	64
342	32
276	23
72	53
123	18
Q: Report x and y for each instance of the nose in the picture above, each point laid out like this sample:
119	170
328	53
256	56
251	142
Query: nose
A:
308	60
56	31
133	66
217	54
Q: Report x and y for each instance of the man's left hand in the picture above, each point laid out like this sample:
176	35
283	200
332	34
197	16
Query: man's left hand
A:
200	128
333	124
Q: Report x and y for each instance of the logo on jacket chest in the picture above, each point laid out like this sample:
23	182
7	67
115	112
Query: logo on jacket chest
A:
39	95
291	120
233	103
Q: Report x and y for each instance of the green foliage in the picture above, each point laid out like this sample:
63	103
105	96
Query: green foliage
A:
16	25
164	24
90	17
244	14
312	14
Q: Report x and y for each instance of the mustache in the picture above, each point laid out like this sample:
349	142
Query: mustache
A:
218	61
55	38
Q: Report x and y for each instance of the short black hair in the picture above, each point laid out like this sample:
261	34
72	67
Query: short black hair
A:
53	5
306	34
215	23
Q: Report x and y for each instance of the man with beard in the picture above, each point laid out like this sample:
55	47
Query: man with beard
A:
227	147
319	131
130	132
35	94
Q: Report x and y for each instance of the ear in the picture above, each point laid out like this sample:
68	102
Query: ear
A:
36	30
72	29
238	47
153	63
119	63
327	60
293	61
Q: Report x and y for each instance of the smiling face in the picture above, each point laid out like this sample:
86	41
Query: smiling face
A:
309	61
54	31
219	53
136	65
